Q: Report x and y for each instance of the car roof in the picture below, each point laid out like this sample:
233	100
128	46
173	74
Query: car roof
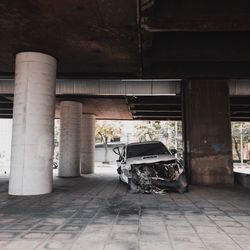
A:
142	143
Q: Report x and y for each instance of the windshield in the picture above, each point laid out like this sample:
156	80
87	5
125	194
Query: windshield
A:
146	149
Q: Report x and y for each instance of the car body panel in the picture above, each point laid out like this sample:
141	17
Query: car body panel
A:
149	173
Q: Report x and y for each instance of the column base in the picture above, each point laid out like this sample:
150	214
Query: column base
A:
66	177
212	170
210	180
88	172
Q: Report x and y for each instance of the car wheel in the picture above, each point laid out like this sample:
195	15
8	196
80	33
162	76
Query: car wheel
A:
119	171
133	188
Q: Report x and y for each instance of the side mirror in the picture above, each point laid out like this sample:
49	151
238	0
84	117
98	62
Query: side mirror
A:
116	150
173	151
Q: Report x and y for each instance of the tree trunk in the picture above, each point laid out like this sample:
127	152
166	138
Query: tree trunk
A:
106	150
236	148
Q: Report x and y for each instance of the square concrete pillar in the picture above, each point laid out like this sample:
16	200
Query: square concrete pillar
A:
208	132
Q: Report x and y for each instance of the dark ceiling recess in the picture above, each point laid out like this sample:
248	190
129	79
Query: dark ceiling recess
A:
144	107
192	39
129	38
170	108
6	107
240	108
155	107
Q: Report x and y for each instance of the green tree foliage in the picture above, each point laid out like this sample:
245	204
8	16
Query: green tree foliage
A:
106	131
56	138
237	128
56	132
148	131
169	132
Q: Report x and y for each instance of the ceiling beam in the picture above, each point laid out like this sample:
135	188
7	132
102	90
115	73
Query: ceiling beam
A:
239	101
153	113
6	112
154	100
240	108
155	108
164	118
6	106
196	70
200	47
196	15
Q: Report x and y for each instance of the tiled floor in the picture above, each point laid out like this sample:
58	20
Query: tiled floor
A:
97	212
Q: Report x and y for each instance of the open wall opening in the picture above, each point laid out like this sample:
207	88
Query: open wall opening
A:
110	134
5	146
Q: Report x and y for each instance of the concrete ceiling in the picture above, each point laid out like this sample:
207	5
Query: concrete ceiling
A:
113	108
87	36
129	38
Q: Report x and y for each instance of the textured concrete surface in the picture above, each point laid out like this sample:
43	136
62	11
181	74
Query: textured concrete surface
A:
209	144
97	212
88	143
33	124
70	139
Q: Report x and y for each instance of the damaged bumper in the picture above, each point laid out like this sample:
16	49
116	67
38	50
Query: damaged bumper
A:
158	176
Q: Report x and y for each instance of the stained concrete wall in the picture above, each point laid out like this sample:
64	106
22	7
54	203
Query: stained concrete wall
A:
111	156
209	132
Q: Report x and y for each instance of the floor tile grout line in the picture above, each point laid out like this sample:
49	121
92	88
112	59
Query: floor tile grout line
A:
216	225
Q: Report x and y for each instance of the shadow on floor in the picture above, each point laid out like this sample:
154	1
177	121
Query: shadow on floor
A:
98	212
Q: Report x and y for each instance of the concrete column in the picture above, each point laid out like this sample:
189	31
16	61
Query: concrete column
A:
70	139
88	144
208	132
33	124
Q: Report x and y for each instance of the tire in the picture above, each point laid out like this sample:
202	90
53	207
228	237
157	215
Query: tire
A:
119	171
132	187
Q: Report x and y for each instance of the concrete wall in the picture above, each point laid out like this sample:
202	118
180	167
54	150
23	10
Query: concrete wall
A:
100	152
209	132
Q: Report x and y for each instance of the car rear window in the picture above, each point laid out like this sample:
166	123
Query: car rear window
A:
146	149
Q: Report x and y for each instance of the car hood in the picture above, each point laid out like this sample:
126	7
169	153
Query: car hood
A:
150	159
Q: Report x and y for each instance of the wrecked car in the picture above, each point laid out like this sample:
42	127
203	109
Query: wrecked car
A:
149	167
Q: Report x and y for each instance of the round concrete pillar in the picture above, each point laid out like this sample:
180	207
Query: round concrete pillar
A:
70	139
88	144
33	124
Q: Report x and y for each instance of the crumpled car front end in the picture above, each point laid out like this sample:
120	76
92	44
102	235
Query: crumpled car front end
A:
157	177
